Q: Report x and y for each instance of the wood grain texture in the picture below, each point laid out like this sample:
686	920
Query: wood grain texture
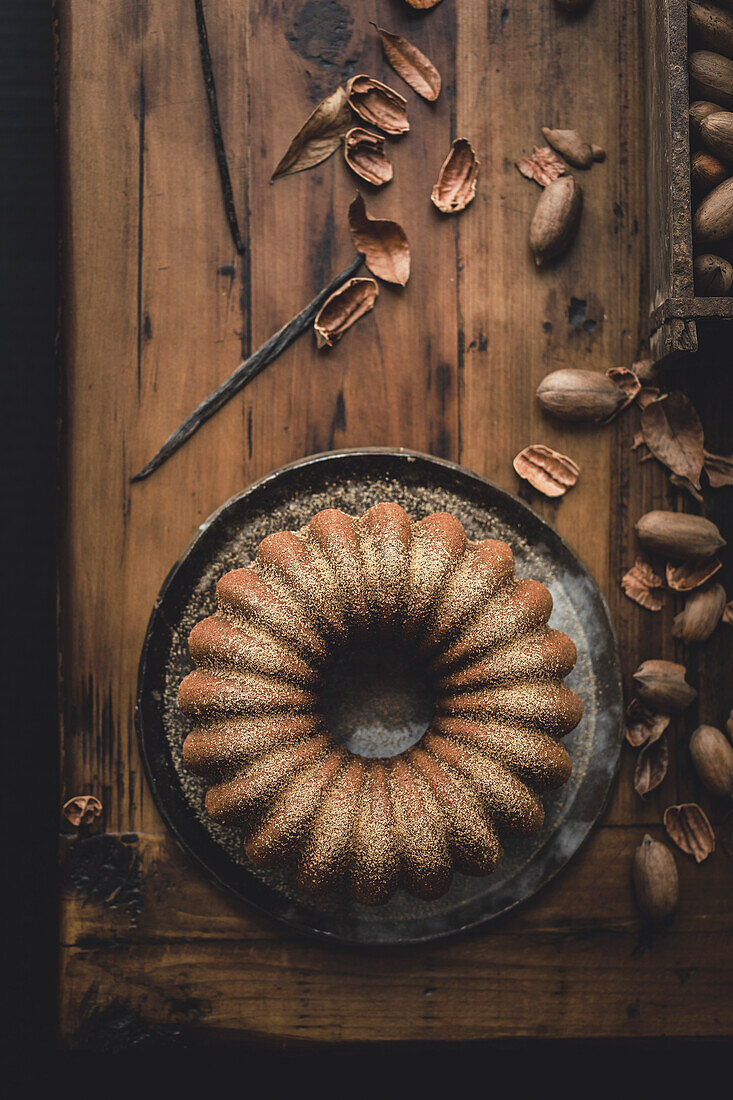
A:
158	309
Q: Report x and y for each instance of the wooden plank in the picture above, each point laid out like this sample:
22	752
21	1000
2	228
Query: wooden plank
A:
160	897
485	987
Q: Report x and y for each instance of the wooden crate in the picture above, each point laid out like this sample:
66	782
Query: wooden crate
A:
674	310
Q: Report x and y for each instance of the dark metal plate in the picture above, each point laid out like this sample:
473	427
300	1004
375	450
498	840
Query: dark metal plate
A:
353	481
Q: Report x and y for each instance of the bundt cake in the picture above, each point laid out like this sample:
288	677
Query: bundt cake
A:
372	825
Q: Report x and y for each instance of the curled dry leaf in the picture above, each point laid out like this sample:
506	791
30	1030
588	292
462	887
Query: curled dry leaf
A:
378	104
691	574
343	309
651	766
638	584
639	445
384	244
673	433
646	395
547	471
319	136
662	686
687	825
644	724
702	613
719	469
414	67
364	153
685	485
82	809
456	186
543	166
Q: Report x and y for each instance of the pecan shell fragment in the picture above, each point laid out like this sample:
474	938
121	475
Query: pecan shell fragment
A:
691	574
378	104
345	306
687	825
543	166
364	153
638	585
82	809
457	179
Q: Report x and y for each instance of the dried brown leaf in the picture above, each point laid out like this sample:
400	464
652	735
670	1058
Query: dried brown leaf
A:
691	574
82	809
673	433
638	444
345	306
646	395
685	485
644	725
319	136
547	471
638	584
719	469
364	153
378	104
687	825
651	766
414	67
456	186
543	166
384	244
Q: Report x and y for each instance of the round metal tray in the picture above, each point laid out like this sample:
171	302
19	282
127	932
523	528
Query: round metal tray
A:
353	481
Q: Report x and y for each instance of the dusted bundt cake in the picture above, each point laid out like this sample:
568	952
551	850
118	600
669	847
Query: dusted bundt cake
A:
372	825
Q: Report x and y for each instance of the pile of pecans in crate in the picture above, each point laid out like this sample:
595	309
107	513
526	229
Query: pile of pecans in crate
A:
711	144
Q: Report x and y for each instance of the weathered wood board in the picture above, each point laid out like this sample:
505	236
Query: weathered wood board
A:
158	308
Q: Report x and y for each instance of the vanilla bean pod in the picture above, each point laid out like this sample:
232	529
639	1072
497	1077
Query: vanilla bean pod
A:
247	370
221	156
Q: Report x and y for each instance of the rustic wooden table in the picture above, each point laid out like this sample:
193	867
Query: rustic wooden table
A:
158	308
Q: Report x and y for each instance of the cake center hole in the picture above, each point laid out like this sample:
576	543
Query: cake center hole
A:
377	700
